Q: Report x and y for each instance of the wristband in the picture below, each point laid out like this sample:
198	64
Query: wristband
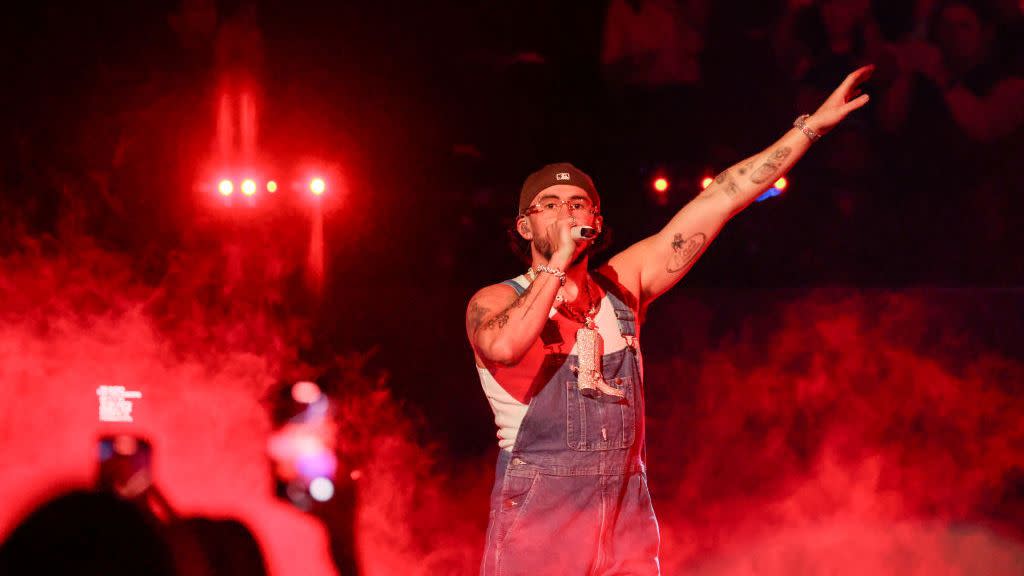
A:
555	271
801	124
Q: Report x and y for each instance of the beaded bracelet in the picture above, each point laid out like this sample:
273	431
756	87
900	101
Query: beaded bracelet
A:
555	271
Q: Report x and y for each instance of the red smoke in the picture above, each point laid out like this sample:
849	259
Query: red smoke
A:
204	350
839	433
74	318
831	433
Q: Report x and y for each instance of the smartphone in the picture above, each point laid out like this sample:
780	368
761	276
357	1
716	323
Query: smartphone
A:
124	465
302	447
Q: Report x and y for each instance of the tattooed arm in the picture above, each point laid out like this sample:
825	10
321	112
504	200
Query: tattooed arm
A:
502	326
655	264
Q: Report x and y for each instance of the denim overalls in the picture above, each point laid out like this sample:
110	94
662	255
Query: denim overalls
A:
571	498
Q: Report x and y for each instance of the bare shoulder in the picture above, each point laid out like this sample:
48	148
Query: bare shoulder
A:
624	271
622	279
493	293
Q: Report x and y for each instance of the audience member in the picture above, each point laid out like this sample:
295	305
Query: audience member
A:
90	534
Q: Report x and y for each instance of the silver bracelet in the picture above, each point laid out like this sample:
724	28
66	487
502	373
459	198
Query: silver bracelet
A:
801	123
555	271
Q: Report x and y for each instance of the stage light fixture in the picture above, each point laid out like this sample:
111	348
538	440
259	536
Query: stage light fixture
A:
305	392
321	489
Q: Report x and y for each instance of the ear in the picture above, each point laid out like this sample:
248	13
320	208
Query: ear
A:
598	223
523	227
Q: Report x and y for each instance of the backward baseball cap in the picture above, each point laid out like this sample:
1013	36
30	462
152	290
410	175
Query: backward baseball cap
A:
553	175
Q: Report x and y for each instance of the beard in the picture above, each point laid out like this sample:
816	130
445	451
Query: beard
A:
544	247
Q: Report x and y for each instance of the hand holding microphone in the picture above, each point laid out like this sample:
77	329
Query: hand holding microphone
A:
566	237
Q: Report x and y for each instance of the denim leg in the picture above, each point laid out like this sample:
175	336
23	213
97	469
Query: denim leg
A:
633	539
490	545
552	528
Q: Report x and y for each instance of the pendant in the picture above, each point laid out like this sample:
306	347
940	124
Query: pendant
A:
590	378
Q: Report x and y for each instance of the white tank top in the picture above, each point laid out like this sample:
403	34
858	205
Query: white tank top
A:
509	411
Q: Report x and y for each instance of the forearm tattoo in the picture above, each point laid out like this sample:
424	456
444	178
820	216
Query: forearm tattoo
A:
684	251
707	192
771	165
724	178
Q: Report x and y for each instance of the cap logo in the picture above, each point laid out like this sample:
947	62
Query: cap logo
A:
562	176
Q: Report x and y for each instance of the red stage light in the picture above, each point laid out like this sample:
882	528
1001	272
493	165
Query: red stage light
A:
706	182
249	187
781	183
226	187
317	186
660	184
271	186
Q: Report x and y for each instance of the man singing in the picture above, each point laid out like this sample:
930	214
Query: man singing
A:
558	355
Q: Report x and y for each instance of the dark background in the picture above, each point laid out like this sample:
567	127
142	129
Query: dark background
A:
436	116
834	388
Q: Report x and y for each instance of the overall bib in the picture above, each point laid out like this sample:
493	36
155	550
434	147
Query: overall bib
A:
571	497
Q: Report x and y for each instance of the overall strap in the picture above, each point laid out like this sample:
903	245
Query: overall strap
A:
515	285
623	313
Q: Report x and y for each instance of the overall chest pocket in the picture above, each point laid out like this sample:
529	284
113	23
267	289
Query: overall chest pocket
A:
593	424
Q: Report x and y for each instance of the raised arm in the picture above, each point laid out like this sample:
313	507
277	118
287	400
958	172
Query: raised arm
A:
655	264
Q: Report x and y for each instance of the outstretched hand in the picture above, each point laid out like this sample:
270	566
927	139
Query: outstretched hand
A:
845	99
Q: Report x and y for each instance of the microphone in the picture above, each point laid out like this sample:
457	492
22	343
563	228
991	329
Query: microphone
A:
583	233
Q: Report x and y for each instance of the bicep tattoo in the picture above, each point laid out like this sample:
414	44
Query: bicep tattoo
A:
498	321
476	316
501	319
684	251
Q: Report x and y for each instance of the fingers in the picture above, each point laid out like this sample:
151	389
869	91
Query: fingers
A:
850	84
559	234
565	229
854	104
859	76
849	96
